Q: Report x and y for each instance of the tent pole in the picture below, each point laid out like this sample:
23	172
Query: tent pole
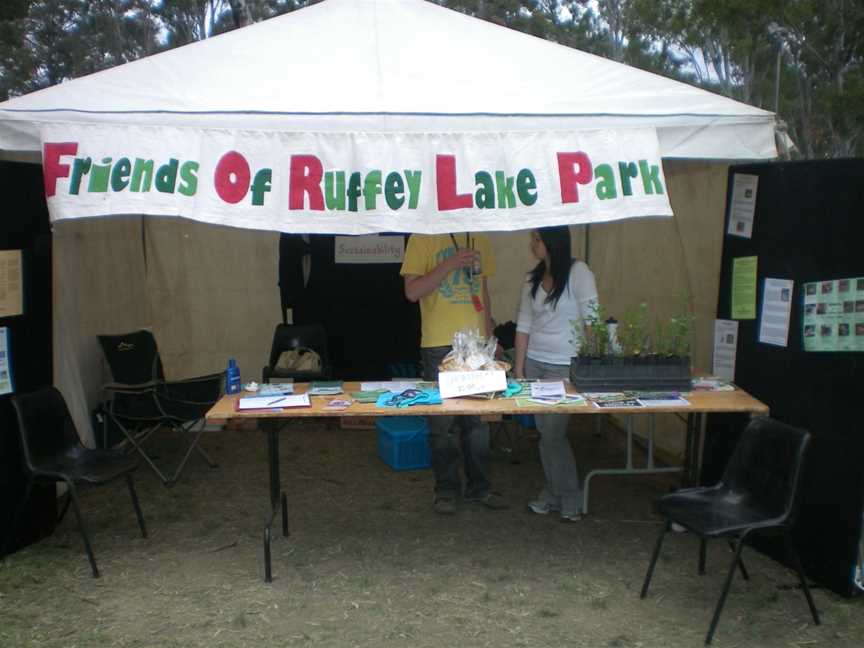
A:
586	247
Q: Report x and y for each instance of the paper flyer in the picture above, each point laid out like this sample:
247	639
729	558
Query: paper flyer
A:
5	364
776	311
743	205
10	283
725	348
744	288
833	318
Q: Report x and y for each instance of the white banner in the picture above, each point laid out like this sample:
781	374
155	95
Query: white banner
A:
355	183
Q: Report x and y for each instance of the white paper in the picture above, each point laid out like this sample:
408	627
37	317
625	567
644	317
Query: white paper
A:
453	384
725	348
5	367
743	205
552	389
274	402
677	401
776	309
388	385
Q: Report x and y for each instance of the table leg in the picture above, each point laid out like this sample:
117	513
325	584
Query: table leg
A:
278	499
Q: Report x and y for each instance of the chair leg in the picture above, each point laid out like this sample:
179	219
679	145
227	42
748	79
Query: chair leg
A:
743	569
66	502
735	562
77	507
134	496
666	525
798	567
19	509
702	551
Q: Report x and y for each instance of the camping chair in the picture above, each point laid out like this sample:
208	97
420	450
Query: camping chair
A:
758	494
142	401
53	452
295	336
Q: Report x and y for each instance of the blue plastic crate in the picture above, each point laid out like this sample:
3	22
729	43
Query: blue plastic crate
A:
402	442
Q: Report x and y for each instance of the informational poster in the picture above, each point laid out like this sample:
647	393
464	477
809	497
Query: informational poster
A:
776	311
744	288
725	348
743	207
834	315
369	249
6	386
10	283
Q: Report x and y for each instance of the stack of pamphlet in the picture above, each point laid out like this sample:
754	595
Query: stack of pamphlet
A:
325	388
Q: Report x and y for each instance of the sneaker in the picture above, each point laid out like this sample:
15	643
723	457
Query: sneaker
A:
444	505
545	503
542	507
571	517
491	500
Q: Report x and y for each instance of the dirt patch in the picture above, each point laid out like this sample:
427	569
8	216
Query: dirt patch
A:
369	564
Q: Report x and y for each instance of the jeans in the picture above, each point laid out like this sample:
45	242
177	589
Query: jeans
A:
562	486
450	436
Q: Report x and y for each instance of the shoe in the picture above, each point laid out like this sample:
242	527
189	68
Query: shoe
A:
542	507
444	505
571	517
545	503
491	500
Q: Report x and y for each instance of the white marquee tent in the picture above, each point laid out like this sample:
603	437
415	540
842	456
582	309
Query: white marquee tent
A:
353	116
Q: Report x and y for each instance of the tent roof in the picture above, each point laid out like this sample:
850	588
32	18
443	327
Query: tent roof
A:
391	65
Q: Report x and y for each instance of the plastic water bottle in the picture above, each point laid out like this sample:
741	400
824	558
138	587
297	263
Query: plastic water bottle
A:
232	377
612	329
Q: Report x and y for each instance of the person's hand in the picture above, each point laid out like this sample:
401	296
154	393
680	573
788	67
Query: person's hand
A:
463	258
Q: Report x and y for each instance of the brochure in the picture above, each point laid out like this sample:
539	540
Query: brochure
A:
325	388
662	400
627	402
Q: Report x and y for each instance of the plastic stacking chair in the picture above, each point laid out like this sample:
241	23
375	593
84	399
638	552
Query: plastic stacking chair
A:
758	494
53	452
297	336
142	401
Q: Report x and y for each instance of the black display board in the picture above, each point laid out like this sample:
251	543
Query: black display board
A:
371	326
808	226
25	227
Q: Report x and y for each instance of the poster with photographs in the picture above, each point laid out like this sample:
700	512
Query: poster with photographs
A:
834	315
5	366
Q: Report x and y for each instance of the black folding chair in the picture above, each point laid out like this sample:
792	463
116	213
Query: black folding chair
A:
297	336
142	401
758	494
53	452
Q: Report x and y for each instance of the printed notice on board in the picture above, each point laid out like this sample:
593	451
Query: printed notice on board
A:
743	207
10	283
5	366
834	315
776	310
744	288
725	347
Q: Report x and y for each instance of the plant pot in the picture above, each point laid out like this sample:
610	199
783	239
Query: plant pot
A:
615	374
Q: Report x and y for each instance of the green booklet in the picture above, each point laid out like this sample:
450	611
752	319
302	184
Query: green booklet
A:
325	387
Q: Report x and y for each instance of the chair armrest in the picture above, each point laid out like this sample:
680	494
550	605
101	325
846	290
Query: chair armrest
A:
205	378
127	388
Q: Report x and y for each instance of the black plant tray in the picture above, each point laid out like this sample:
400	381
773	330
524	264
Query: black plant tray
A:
615	374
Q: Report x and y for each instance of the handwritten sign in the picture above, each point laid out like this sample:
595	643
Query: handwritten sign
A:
453	384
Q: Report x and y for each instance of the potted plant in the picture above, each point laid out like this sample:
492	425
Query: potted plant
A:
632	359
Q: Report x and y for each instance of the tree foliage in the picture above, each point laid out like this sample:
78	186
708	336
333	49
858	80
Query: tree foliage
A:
802	58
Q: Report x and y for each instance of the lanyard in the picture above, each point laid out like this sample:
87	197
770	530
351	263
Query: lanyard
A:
468	241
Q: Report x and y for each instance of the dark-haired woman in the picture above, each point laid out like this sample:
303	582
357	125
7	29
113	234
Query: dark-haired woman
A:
557	292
